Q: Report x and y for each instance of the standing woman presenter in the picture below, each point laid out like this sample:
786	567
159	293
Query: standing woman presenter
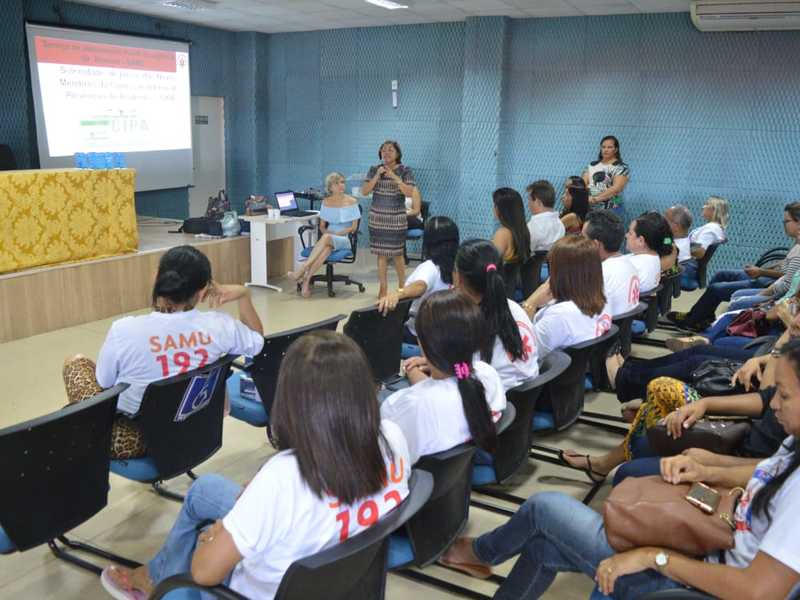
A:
389	183
607	177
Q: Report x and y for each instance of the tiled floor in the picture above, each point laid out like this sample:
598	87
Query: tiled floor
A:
136	520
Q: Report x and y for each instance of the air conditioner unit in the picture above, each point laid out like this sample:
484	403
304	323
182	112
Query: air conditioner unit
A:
745	15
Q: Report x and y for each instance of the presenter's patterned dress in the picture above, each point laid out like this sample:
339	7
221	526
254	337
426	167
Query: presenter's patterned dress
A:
387	214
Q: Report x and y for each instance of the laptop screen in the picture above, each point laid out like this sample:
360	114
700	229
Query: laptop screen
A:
286	200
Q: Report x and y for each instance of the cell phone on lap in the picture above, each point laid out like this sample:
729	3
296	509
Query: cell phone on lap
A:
703	497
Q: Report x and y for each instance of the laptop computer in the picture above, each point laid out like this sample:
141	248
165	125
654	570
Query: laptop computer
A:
288	205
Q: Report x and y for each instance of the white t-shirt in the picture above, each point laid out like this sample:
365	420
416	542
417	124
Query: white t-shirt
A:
561	324
648	267
781	539
708	234
278	519
621	285
430	274
431	414
512	373
684	246
546	229
147	348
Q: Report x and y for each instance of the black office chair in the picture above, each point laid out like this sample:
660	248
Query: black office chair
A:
181	420
530	273
415	232
8	161
346	257
264	370
514	442
54	470
354	569
381	338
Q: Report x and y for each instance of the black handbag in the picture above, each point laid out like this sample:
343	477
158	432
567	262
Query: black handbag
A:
721	436
195	225
713	377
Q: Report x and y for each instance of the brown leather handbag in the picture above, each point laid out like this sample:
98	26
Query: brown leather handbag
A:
721	436
648	511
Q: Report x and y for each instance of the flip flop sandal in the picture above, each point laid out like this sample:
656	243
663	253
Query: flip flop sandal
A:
476	570
116	590
594	476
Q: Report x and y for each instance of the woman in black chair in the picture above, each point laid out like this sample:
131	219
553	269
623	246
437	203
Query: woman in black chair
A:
553	532
173	339
576	204
325	484
512	239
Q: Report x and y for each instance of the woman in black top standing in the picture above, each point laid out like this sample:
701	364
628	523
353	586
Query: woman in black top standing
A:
389	183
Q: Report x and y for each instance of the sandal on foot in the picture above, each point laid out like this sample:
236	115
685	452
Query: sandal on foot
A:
477	570
594	476
117	590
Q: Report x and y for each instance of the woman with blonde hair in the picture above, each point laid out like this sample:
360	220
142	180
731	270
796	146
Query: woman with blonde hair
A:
338	218
716	212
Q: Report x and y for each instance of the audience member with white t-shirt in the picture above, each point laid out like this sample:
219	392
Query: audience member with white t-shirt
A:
325	484
649	242
716	213
440	244
679	219
508	345
570	307
545	226
453	398
173	339
620	279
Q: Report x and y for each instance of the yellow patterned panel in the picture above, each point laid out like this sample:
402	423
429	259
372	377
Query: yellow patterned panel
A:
52	216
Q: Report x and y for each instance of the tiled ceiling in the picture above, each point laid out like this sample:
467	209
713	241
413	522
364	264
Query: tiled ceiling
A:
272	16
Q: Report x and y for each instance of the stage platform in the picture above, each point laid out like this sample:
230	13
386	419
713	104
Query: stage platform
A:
49	298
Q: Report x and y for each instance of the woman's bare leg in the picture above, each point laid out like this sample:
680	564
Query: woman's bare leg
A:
383	267
324	243
400	269
312	268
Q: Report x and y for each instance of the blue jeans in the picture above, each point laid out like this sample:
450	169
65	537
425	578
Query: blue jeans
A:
210	498
638	467
689	280
554	533
747	299
720	289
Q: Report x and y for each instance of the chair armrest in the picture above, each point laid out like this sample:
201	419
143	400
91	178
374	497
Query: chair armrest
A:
184	581
301	230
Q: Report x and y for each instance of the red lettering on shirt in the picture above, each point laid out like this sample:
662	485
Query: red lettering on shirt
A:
633	290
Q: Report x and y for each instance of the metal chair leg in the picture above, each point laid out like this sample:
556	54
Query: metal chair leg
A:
159	489
64	554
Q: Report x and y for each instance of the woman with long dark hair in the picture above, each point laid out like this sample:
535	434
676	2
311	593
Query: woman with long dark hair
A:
453	396
554	533
440	243
338	469
509	344
651	248
606	177
575	203
174	338
512	238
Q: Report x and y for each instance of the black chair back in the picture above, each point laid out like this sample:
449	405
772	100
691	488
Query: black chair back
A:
267	363
514	442
624	321
702	264
355	569
381	338
436	526
565	394
8	161
772	257
55	470
667	292
511	277
181	417
530	273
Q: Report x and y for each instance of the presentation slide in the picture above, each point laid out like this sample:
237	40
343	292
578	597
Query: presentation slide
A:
99	92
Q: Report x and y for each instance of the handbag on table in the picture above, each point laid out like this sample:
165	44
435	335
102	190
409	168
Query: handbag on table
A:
648	511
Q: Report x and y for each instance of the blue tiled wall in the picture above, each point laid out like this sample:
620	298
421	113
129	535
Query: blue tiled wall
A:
497	102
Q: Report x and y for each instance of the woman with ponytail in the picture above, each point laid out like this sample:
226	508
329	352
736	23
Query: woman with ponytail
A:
174	338
509	344
554	533
453	397
652	250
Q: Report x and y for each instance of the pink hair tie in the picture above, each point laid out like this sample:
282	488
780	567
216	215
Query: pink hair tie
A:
491	267
462	370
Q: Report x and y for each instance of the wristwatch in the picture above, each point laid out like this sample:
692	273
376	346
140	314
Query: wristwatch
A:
662	559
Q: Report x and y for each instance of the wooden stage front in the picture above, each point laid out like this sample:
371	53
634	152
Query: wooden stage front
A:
49	298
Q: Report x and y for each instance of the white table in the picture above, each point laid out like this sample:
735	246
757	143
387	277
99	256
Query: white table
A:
263	230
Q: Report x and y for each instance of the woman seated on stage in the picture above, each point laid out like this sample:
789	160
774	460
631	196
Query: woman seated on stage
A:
650	247
440	244
512	239
172	339
509	344
554	533
453	397
576	205
570	307
338	218
307	497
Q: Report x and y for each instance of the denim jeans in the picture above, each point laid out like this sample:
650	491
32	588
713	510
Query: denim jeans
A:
720	289
689	280
638	467
554	533
210	498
